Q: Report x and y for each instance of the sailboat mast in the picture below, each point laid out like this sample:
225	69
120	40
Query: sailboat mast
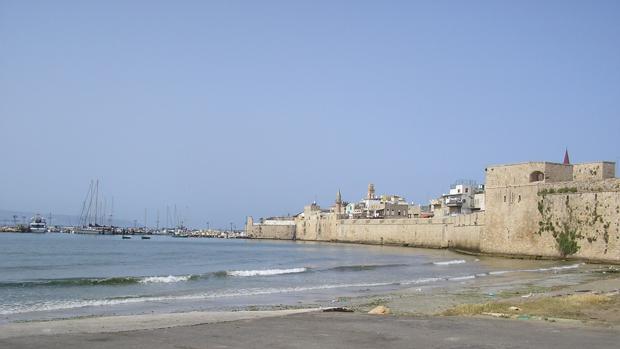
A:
111	212
96	201
89	213
84	212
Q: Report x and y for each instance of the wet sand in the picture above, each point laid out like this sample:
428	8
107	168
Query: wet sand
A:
339	330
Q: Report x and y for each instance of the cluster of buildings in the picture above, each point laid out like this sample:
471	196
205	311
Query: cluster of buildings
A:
463	197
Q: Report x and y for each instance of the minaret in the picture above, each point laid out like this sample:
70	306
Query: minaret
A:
566	159
338	202
371	191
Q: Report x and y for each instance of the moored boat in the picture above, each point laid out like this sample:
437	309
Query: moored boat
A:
38	224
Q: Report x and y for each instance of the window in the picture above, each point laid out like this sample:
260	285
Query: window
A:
504	198
537	176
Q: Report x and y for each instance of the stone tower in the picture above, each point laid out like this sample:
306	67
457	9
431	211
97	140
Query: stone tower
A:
371	191
338	202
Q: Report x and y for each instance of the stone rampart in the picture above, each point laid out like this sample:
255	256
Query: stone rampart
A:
270	229
572	219
461	232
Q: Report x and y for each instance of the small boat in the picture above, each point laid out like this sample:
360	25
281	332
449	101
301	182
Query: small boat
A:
126	237
144	237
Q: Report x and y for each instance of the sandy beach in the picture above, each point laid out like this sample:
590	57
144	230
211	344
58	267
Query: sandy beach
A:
563	310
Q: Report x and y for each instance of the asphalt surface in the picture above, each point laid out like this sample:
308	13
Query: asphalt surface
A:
341	330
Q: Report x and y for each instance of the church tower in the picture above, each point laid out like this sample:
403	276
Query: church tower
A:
338	202
566	158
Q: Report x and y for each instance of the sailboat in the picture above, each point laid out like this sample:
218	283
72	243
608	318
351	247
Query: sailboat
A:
91	220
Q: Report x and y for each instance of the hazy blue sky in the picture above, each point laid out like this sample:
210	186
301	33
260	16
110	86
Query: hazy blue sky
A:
235	108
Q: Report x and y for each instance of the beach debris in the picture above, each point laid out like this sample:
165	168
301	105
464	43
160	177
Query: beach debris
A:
338	310
380	310
491	294
524	317
527	295
513	308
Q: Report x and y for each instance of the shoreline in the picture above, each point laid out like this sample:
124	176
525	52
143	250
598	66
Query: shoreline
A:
456	250
520	290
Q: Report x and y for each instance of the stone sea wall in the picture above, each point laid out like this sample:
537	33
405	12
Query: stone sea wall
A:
558	220
455	232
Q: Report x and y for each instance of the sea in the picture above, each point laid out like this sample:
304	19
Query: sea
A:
54	275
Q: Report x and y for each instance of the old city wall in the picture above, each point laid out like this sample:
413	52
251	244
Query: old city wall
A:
266	231
461	232
574	219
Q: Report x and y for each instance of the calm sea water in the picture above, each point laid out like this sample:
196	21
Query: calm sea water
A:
59	275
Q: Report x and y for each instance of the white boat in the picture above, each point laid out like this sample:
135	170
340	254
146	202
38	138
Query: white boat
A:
38	224
87	230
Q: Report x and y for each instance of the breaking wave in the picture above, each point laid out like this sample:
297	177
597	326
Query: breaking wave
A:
455	261
112	281
265	272
132	280
165	279
363	267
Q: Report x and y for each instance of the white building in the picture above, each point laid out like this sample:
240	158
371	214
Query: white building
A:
464	197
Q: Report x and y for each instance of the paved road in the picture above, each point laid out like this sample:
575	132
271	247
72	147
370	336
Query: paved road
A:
340	330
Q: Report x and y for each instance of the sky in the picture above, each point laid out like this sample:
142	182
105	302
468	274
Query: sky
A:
235	108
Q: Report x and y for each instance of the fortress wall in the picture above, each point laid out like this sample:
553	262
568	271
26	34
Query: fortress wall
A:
510	222
588	219
315	228
457	232
413	232
594	170
549	218
265	231
466	231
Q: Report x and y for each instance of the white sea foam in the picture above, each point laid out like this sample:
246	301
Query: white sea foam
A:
558	268
572	266
73	304
164	279
455	261
459	278
421	281
265	272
